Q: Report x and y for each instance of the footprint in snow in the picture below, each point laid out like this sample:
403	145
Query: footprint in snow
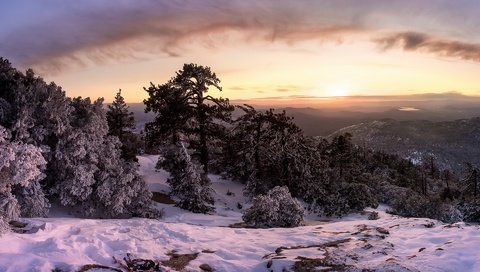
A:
240	231
74	231
124	230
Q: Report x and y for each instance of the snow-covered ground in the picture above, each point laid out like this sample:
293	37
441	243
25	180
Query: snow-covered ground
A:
388	244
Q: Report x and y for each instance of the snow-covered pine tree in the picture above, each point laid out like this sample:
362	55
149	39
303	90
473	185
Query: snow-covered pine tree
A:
275	209
36	113
32	199
343	156
20	165
77	152
120	191
121	123
189	183
92	175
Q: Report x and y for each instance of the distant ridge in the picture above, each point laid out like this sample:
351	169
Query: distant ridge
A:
451	143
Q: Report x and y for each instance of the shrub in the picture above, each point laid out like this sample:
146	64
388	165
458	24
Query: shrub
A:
411	204
373	216
451	214
275	209
470	210
388	192
358	196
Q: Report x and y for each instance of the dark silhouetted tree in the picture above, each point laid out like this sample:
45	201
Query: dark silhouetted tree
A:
341	153
183	106
471	179
267	149
121	123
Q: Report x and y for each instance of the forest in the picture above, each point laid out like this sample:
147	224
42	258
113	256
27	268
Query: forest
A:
81	153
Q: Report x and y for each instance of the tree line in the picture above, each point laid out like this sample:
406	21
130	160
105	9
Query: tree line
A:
56	149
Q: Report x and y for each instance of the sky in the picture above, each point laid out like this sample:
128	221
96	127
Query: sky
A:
261	50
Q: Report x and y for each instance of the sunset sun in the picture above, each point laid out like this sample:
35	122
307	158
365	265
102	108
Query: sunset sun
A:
338	90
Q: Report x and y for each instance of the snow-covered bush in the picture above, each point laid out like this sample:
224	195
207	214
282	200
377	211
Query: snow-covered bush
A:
408	203
412	204
339	199
188	181
275	209
470	210
20	165
387	192
32	200
120	190
450	213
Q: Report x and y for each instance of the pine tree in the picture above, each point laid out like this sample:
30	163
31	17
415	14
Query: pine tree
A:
189	182
266	150
183	106
35	112
20	165
341	153
120	190
91	174
472	175
121	123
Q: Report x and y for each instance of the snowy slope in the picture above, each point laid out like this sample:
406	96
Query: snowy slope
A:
388	244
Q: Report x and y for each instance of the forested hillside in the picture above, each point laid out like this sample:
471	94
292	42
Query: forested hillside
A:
450	143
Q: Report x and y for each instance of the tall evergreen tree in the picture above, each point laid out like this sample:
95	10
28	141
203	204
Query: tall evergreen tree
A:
121	123
341	153
189	182
472	175
120	119
183	106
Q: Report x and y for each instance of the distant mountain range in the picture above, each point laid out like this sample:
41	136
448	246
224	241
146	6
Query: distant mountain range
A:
439	125
451	143
326	120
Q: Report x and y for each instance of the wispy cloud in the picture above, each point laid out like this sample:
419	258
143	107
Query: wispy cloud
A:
414	41
74	34
52	35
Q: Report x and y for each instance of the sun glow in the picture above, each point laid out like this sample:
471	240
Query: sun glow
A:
338	90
